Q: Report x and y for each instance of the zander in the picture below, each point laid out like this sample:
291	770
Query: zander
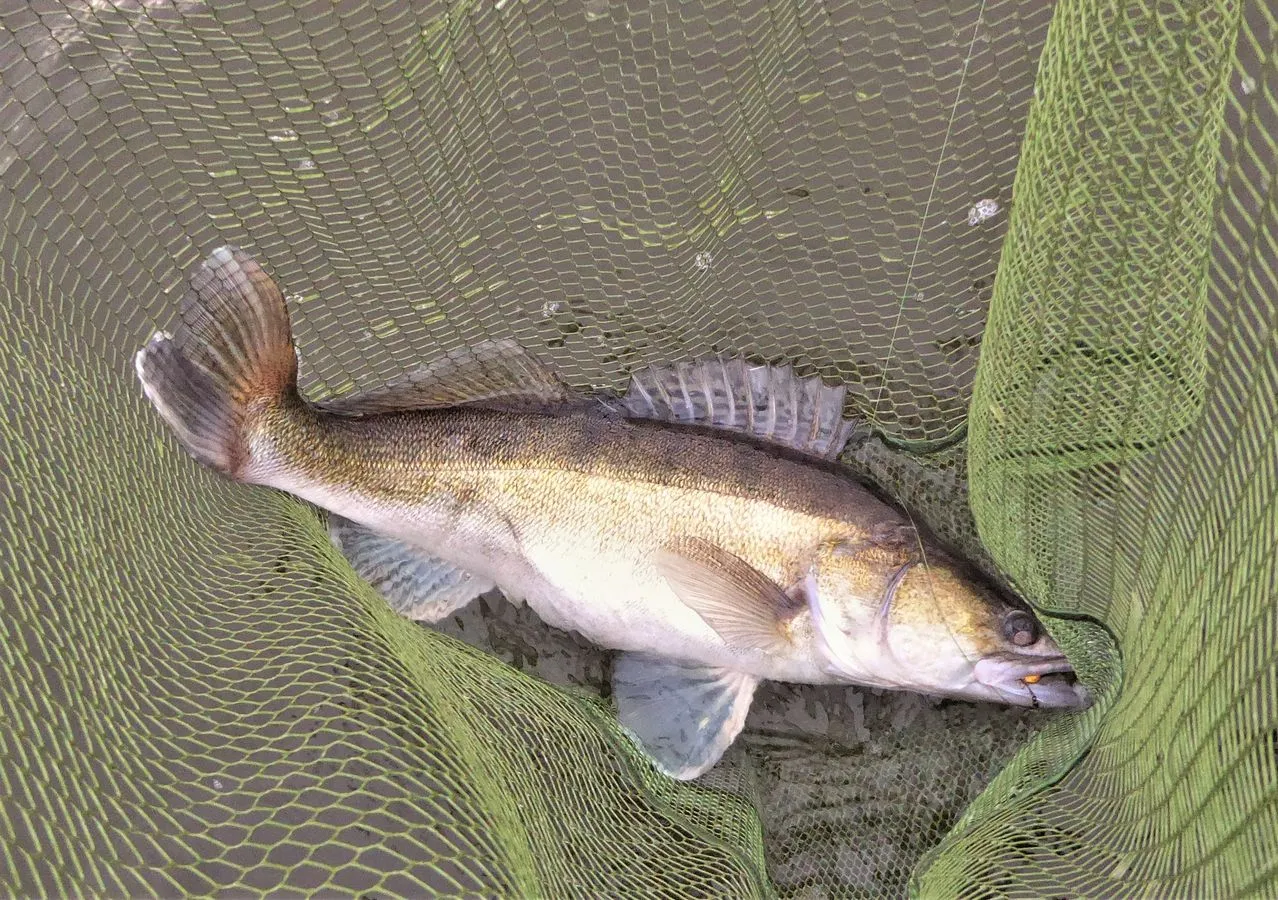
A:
694	524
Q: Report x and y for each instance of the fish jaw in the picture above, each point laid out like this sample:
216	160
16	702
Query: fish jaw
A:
1045	682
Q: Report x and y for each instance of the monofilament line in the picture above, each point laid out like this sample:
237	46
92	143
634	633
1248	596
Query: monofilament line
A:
927	207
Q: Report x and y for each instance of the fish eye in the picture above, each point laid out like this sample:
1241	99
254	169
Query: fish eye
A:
1020	628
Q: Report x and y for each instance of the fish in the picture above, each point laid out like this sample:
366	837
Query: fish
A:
698	524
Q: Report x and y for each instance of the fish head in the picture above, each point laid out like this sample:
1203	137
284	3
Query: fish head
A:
884	617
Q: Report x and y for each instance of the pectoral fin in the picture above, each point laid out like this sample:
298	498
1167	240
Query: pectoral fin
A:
492	374
415	584
683	716
744	607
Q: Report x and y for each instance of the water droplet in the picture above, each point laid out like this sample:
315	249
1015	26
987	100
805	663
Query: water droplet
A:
217	784
983	210
703	260
304	163
282	135
335	117
550	307
1248	84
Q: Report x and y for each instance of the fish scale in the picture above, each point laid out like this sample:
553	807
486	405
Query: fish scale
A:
696	524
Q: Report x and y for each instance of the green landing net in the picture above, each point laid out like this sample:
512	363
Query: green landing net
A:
200	698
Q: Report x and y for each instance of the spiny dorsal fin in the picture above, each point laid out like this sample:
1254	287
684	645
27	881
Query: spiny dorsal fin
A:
769	403
744	607
493	374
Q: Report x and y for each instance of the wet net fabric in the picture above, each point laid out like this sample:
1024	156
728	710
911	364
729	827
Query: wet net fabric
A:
200	698
1122	444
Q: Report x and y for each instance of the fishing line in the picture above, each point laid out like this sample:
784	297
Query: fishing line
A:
927	207
909	278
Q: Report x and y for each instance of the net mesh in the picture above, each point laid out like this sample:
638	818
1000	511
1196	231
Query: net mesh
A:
1123	431
202	698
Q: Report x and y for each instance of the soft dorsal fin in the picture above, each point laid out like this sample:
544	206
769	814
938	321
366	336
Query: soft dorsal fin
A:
769	403
493	374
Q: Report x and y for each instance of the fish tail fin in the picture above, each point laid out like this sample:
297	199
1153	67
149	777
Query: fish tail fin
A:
229	360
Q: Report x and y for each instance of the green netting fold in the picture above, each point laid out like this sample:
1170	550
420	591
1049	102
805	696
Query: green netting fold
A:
1122	438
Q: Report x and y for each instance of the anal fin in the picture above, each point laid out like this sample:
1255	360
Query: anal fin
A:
415	584
683	715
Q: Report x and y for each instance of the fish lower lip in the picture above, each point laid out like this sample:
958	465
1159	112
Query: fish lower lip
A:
1061	689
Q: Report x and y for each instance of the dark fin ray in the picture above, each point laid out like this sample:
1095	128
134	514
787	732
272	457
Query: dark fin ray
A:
744	607
683	716
416	585
231	351
768	403
492	374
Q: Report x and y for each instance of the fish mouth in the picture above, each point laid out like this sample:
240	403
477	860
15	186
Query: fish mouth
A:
1048	682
